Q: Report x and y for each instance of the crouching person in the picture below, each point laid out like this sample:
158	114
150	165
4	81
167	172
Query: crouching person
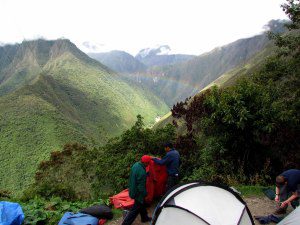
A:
137	191
287	190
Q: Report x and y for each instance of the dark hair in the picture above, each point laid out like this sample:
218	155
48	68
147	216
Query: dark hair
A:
168	144
280	180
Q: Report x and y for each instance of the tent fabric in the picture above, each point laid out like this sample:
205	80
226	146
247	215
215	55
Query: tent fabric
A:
11	213
170	216
156	181
70	218
155	185
292	219
174	190
122	200
245	218
202	203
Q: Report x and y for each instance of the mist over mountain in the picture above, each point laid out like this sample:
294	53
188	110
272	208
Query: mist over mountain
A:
149	52
159	56
51	93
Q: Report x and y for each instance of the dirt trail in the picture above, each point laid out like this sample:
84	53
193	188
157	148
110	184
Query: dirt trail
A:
257	205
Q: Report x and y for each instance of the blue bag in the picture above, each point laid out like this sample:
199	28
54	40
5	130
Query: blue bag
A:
78	219
11	213
270	193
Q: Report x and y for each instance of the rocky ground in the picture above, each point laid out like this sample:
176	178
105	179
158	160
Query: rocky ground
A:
257	205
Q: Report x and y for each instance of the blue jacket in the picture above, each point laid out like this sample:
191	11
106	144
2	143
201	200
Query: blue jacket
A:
293	179
171	161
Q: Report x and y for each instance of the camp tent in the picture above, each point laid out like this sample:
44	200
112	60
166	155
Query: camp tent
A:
199	203
292	219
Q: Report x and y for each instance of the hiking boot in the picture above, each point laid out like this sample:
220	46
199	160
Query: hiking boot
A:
147	220
280	211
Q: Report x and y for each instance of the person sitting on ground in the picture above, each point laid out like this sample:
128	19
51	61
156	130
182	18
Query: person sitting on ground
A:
137	191
172	161
287	190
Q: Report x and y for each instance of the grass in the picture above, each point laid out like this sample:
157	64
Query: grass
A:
249	191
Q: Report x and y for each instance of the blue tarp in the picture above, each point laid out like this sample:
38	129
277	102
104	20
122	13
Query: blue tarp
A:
78	219
11	213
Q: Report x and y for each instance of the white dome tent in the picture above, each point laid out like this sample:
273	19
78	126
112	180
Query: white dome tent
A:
292	219
199	203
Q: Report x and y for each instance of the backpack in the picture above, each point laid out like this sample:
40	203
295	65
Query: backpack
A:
99	211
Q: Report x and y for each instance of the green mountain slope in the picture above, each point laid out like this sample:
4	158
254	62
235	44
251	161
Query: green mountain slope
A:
176	82
64	96
227	79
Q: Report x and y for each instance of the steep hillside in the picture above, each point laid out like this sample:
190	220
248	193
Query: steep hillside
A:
19	65
176	82
227	79
63	96
119	61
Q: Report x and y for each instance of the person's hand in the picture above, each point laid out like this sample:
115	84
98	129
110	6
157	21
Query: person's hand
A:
277	198
284	204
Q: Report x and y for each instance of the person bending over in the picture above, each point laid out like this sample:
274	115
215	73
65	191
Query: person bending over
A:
287	190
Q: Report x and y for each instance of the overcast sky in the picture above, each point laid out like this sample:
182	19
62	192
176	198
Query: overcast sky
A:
187	26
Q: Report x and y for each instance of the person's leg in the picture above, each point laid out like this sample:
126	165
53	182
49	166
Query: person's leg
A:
144	214
134	211
171	181
295	203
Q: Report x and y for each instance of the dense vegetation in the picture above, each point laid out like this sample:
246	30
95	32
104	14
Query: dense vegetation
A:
249	132
79	176
78	172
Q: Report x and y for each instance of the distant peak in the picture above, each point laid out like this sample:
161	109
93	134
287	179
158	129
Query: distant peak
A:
157	50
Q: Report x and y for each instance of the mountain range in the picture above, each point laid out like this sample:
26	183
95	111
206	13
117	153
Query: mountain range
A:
123	62
175	82
51	93
174	77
